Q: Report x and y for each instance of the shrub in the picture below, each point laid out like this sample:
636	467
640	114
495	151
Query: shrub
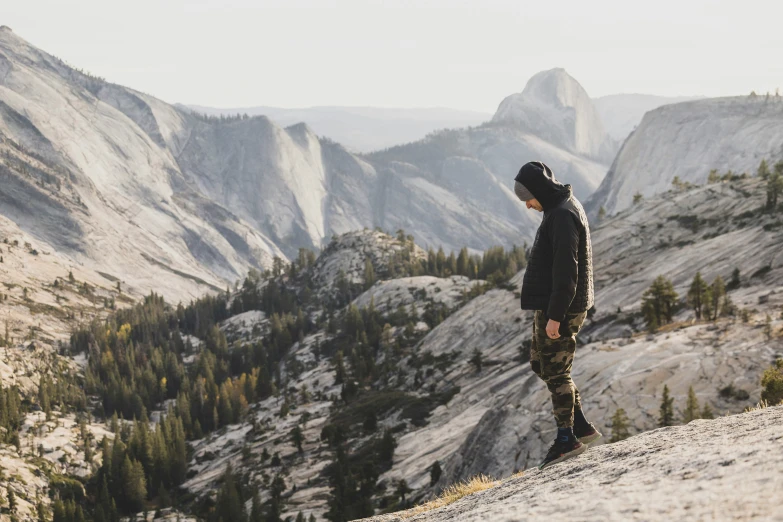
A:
772	383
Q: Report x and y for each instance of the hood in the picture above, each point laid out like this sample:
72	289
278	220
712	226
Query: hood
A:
540	181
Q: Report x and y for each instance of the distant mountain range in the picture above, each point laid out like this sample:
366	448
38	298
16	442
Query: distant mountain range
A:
174	200
363	129
118	180
369	129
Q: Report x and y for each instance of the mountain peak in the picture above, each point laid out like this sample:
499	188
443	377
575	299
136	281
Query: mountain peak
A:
556	88
554	100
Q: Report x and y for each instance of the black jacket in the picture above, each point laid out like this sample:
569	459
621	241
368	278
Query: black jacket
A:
559	275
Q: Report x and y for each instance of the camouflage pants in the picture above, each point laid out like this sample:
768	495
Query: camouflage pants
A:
551	360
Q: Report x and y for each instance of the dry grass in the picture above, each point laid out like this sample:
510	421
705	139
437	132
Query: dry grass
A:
452	494
455	492
760	406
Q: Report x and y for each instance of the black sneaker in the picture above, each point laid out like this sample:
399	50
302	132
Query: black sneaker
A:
560	451
586	433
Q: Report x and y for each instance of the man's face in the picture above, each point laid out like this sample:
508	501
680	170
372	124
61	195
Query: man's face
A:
534	204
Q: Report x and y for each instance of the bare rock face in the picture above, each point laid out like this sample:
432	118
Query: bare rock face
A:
689	139
621	113
87	168
552	120
554	101
703	470
122	182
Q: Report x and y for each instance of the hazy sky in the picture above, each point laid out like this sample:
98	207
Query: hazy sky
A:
422	53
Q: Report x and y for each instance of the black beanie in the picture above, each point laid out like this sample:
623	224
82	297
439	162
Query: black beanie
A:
540	181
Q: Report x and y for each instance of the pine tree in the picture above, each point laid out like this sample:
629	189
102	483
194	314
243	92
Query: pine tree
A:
300	517
134	485
435	473
734	283
58	512
768	327
699	296
691	407
772	384
620	424
402	490
601	213
477	360
658	303
462	262
386	447
297	437
339	368
256	511
666	417
40	511
276	491
312	518
774	186
369	274
637	198
706	412
11	500
763	170
229	506
370	424
342	487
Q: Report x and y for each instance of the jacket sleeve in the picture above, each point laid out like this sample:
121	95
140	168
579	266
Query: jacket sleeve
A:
564	237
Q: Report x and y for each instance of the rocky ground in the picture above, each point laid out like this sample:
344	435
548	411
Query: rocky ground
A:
724	469
497	419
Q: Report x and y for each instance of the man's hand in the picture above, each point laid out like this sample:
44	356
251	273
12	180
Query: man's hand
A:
553	329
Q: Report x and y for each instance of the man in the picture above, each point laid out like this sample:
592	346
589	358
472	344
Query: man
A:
558	285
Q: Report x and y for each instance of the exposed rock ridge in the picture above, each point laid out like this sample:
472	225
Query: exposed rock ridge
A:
723	469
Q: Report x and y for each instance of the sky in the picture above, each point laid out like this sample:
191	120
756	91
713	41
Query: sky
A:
421	53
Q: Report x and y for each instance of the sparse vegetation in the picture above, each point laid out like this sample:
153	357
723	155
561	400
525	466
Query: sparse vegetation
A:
435	473
772	383
774	187
731	392
452	494
620	426
12	413
763	170
658	303
699	296
691	411
477	360
666	416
